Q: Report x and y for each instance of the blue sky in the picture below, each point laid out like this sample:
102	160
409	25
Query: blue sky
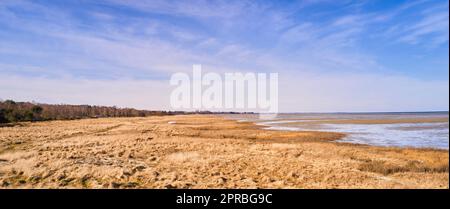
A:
330	55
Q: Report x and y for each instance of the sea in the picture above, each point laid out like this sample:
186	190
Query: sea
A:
402	129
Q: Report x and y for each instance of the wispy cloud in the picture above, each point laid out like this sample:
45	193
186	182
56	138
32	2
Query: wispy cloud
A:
115	42
434	24
428	26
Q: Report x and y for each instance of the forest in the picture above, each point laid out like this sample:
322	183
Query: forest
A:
11	111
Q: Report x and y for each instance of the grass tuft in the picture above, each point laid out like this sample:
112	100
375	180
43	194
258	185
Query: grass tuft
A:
378	166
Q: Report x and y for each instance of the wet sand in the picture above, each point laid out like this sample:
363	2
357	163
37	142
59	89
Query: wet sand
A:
203	152
420	130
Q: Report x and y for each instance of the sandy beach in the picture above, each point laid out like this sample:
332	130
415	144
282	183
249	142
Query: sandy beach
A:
203	151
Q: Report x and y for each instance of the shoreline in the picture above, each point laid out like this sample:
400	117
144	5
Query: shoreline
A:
360	131
203	151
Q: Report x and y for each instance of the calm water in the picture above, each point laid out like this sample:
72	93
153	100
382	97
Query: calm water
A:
405	134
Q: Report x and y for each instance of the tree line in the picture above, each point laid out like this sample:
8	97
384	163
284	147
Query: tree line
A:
11	111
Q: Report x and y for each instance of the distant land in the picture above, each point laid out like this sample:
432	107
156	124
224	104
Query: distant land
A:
12	111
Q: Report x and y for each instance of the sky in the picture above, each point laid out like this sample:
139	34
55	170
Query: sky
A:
331	56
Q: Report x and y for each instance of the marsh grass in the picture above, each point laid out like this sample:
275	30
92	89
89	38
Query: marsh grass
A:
385	168
200	152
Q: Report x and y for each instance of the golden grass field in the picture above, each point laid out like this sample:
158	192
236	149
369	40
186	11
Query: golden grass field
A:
203	151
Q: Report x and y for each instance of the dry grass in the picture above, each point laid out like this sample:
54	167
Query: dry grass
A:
385	168
202	152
